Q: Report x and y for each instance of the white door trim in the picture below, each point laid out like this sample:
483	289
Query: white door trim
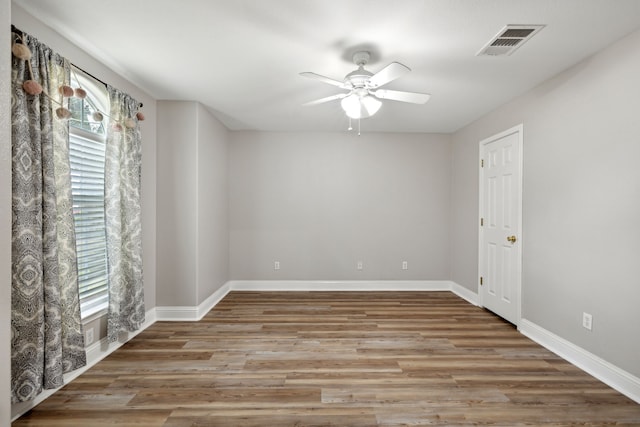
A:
519	130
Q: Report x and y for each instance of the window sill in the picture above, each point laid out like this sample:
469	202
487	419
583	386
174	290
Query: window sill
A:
95	313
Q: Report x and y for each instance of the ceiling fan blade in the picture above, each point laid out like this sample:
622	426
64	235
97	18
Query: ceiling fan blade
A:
324	79
327	99
387	74
395	95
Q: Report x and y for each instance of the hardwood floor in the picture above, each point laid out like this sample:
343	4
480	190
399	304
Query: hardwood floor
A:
335	359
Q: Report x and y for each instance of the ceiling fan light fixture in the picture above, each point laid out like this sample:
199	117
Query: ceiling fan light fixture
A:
370	104
360	107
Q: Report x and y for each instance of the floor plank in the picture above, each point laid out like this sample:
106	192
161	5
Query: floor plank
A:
335	359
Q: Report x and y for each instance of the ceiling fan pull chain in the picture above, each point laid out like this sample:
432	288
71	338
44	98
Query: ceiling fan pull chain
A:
358	127
350	128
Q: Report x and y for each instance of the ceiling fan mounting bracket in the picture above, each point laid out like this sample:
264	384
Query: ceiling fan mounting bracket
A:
361	58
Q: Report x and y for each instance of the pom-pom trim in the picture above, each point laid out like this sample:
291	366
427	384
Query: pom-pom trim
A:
80	93
21	51
63	113
66	91
32	87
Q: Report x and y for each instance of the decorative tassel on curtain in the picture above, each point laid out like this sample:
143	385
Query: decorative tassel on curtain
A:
46	331
123	162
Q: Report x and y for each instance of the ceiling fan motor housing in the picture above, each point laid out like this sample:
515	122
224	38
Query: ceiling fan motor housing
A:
359	77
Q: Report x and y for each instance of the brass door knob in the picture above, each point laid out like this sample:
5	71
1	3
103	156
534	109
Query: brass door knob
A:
512	239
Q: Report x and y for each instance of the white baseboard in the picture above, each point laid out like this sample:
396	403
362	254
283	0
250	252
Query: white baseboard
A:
614	377
464	293
355	285
177	313
192	314
340	285
95	353
336	286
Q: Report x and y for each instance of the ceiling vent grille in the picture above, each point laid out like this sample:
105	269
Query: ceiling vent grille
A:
509	39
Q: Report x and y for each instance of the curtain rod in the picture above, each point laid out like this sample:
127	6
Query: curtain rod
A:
95	78
22	33
89	74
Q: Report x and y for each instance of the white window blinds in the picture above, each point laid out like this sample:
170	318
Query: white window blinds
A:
87	186
86	158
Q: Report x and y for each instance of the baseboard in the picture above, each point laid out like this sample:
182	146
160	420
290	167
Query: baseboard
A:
95	353
340	285
192	314
464	293
212	300
355	285
614	377
177	313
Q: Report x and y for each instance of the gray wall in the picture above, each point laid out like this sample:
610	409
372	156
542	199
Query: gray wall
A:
192	204
177	208
5	213
320	202
213	203
581	234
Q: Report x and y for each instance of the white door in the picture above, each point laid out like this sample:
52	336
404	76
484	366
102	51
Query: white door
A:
500	223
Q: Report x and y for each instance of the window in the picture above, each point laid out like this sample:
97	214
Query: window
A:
87	138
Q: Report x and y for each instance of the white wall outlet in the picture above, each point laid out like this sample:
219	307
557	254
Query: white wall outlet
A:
359	265
405	265
587	321
276	265
88	337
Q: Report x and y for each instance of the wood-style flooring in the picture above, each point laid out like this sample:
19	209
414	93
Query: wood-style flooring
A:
335	359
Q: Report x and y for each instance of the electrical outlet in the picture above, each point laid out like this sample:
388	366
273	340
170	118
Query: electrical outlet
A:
359	265
405	265
587	321
276	265
88	337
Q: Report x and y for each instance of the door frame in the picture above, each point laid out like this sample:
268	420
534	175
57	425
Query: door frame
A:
518	129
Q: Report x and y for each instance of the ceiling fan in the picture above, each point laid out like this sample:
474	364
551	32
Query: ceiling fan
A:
364	95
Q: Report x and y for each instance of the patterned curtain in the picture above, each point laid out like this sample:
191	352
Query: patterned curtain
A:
46	331
123	161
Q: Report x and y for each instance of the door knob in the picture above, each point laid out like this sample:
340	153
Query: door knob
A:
512	239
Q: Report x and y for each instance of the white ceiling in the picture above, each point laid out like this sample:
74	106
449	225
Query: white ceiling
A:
241	58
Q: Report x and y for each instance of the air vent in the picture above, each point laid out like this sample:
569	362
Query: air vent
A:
509	39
